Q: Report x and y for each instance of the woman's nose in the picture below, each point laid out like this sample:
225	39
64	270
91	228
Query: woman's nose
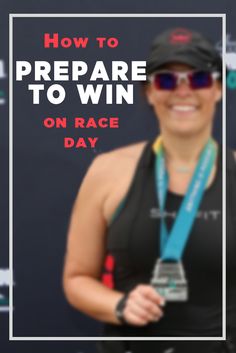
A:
183	88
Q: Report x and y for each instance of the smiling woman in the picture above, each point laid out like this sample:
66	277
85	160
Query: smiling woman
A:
140	214
189	107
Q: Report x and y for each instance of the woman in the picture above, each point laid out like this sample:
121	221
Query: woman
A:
158	200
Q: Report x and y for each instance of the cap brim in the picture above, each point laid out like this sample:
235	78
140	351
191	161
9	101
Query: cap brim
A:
179	59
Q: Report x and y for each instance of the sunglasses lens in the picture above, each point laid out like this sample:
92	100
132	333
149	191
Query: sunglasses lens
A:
201	79
165	81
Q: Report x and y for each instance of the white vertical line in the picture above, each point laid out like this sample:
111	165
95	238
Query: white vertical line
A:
224	173
10	176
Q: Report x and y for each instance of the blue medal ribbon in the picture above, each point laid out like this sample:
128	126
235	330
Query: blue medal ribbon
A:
173	244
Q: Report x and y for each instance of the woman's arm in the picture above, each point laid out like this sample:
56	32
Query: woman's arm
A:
86	250
85	255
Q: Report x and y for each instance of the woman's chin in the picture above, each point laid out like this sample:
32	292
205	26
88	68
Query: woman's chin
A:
185	131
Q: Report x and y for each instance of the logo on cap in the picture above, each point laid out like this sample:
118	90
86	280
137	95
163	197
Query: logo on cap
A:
180	36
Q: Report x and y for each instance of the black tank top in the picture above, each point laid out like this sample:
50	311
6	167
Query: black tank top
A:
133	241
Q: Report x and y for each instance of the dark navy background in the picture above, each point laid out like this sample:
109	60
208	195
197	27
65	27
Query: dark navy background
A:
46	176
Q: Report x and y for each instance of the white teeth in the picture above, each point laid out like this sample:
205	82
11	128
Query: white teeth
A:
184	108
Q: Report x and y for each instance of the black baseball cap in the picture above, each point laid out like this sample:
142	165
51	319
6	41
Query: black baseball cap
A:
183	46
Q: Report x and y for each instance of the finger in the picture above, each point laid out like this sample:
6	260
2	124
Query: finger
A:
145	310
154	311
134	319
148	305
137	310
150	293
143	304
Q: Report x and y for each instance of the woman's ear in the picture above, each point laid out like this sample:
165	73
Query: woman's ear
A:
218	92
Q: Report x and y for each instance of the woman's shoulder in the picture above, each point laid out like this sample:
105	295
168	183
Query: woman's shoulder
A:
113	166
118	157
129	151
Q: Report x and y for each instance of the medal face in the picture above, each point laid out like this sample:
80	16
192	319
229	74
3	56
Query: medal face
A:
169	281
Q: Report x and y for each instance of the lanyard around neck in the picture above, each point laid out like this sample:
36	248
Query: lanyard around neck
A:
173	244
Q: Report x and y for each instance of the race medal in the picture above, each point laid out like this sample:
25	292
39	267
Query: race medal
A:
168	277
169	281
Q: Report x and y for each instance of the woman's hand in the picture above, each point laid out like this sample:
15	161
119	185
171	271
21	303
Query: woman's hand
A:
143	306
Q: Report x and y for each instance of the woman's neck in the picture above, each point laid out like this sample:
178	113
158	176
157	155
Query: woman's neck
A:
184	150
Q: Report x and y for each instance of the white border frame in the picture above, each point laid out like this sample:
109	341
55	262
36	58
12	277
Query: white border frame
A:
125	15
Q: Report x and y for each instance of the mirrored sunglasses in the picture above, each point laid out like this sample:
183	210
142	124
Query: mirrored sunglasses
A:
169	80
